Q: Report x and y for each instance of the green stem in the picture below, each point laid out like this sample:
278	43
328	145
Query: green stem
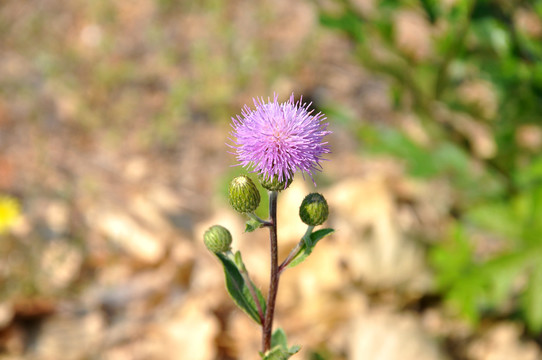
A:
253	216
295	251
267	326
460	33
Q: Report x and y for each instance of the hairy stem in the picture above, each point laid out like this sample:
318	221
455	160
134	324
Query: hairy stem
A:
267	326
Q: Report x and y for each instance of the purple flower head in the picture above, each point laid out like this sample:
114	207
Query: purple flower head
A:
279	139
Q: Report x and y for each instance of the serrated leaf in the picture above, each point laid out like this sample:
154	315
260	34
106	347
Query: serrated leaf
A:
252	224
239	291
309	245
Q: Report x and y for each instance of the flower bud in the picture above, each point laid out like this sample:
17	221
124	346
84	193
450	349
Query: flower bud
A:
313	210
273	184
217	239
244	196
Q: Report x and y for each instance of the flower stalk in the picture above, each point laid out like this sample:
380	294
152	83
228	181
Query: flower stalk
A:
267	326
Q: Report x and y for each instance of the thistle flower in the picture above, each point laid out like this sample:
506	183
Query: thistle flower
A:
279	139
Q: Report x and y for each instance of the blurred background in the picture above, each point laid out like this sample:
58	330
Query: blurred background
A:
114	119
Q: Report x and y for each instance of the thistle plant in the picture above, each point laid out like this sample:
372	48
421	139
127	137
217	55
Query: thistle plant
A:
274	140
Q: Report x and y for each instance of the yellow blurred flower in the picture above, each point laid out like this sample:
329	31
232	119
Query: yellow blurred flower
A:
9	212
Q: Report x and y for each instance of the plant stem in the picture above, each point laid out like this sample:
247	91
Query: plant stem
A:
267	326
295	251
252	215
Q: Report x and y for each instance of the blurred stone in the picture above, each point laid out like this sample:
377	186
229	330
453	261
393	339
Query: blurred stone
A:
414	129
127	234
33	307
529	137
60	265
293	24
149	214
246	336
364	214
481	95
478	134
413	34
137	349
503	342
366	7
7	169
120	288
136	168
190	332
423	207
70	336
6	314
91	36
528	22
322	272
12	342
164	198
381	335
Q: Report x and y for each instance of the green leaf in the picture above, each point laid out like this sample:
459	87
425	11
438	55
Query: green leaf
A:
348	22
276	353
279	347
294	349
252	224
468	296
452	258
279	339
431	8
532	300
309	244
239	290
501	273
498	217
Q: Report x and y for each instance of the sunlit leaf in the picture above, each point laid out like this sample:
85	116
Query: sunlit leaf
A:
306	250
239	290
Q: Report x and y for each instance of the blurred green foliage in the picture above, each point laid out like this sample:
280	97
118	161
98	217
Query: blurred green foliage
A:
471	74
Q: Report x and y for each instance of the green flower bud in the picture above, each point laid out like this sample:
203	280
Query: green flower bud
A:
244	196
313	210
217	239
273	184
